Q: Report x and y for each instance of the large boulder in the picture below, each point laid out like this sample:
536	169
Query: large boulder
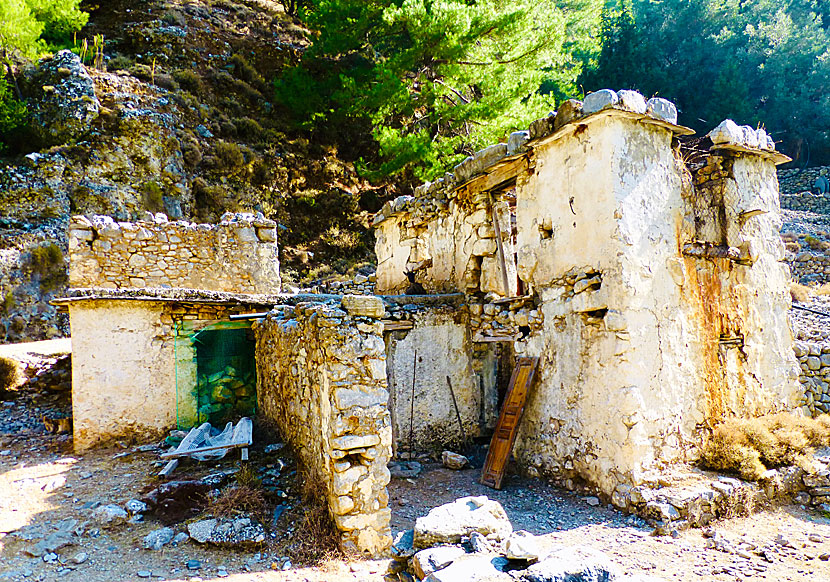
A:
62	100
573	564
448	523
431	560
240	532
473	568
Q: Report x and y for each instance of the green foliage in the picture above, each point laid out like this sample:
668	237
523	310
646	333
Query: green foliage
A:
435	79
760	63
152	196
228	157
12	113
8	303
30	27
189	80
44	259
46	262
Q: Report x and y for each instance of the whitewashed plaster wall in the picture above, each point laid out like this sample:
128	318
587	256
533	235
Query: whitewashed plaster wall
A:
441	341
123	373
632	368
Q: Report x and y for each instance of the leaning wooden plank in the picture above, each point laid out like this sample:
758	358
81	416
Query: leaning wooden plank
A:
508	423
169	468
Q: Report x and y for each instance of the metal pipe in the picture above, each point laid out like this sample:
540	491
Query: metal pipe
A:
457	414
241	316
412	405
811	310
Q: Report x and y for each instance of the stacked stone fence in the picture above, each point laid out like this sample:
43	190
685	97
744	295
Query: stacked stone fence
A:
814	359
238	255
806	201
706	497
797	180
807	267
360	285
322	378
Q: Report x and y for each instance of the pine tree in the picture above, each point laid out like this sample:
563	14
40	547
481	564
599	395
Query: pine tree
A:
435	79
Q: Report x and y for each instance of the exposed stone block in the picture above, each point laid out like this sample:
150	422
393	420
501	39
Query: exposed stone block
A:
365	305
599	100
662	109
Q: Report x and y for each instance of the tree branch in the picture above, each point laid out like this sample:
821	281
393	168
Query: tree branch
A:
456	91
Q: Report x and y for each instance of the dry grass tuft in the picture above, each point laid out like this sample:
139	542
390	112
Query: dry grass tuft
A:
240	499
750	447
316	541
800	293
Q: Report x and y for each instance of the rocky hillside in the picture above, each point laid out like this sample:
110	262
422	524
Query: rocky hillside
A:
174	116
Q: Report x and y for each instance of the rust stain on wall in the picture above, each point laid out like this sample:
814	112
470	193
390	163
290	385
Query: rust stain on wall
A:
717	317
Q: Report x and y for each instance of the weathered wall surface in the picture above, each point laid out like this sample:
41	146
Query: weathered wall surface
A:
138	396
642	343
322	379
238	255
449	236
438	347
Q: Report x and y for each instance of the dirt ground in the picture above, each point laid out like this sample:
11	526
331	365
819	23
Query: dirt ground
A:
45	488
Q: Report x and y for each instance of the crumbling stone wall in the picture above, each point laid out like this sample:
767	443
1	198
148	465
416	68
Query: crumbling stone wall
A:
238	255
797	180
448	237
322	379
657	296
360	285
809	267
814	361
806	201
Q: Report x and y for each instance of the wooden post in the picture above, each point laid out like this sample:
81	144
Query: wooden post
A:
500	245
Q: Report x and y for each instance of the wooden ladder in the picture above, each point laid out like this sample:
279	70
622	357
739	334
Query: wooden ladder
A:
508	424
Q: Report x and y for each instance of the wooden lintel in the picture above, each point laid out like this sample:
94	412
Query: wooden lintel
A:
494	338
392	325
510	299
497	175
187	453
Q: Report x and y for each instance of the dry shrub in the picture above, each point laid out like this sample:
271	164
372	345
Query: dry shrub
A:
789	237
800	293
10	375
823	289
316	540
245	496
793	247
239	499
750	447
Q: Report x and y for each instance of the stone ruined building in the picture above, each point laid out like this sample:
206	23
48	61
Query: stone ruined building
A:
651	288
140	291
154	347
